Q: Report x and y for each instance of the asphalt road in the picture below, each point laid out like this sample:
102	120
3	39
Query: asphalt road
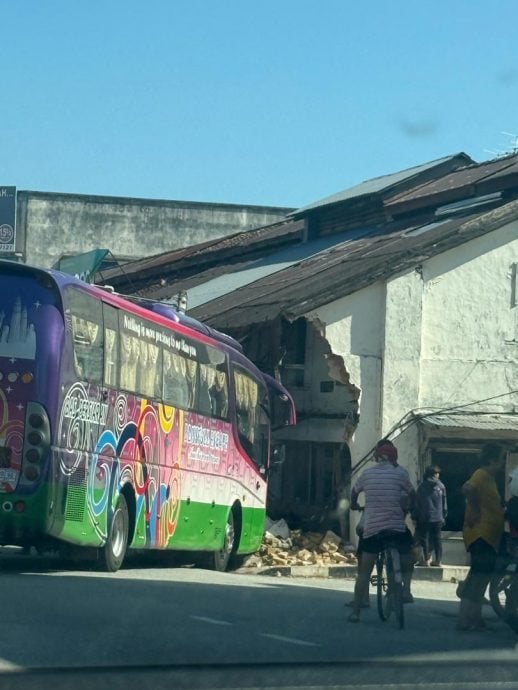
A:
185	627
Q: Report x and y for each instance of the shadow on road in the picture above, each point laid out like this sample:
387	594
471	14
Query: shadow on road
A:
170	617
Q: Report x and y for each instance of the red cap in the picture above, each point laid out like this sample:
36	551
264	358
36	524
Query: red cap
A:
386	450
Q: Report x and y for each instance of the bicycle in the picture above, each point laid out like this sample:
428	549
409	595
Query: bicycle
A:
388	580
503	591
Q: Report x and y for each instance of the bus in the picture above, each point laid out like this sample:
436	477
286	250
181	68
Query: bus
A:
126	424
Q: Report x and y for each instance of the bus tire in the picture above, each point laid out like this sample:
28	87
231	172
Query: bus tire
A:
221	559
113	552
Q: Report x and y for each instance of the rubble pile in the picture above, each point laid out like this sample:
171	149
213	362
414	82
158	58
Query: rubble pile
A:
282	547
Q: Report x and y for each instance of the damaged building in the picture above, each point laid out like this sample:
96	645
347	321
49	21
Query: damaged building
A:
390	308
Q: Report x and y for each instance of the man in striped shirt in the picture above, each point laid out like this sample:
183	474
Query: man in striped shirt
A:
388	496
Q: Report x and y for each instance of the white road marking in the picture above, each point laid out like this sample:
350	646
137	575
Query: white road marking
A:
210	620
291	640
6	665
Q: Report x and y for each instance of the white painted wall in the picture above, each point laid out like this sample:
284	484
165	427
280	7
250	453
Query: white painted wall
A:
401	364
469	338
402	348
439	336
355	331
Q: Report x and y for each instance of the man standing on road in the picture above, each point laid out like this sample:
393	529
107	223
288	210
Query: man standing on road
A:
430	513
483	531
388	491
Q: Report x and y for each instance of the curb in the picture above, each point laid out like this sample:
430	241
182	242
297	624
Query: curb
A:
448	573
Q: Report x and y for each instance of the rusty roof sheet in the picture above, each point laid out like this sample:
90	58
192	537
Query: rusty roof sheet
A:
346	268
223	277
457	180
251	240
378	184
482	421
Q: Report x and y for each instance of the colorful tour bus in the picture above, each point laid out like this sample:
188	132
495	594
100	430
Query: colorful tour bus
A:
127	425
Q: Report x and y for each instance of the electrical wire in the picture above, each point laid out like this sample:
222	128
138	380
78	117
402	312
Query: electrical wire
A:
411	418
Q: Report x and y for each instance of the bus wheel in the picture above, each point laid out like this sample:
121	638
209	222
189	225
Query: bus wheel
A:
222	557
113	552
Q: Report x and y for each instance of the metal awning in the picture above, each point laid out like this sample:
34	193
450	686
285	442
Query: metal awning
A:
491	423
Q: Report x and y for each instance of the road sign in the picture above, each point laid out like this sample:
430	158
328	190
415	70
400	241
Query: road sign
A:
7	220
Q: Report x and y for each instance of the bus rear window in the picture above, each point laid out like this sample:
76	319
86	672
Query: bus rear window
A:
26	302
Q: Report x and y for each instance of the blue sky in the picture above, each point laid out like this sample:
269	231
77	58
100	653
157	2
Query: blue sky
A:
278	102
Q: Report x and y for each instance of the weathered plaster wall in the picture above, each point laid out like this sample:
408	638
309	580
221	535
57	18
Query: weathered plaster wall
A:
470	341
56	224
443	334
355	331
401	359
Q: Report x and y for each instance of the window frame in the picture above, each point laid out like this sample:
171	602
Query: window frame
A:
262	426
70	313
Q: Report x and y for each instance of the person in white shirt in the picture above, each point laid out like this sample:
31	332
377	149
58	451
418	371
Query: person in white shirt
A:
389	494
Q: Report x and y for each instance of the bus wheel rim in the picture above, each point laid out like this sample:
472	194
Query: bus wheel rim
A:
118	534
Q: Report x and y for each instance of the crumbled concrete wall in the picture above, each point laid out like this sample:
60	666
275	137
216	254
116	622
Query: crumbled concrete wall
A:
354	330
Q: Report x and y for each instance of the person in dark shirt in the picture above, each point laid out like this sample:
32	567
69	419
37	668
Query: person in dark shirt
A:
430	513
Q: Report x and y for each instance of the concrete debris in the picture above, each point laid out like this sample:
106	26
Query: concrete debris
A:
300	548
277	529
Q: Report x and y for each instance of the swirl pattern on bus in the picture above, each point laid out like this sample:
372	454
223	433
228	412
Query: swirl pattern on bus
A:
143	447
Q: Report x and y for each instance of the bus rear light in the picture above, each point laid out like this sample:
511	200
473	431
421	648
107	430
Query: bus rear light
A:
35	438
31	473
36	444
7	506
36	420
33	455
27	377
19	507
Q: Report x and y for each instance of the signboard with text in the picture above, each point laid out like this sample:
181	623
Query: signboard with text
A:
7	220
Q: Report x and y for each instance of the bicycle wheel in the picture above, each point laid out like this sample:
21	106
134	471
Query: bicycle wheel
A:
384	608
503	595
395	585
498	588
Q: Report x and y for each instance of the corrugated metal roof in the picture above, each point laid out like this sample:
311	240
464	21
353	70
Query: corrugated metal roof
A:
376	185
273	263
346	268
458	179
483	421
251	240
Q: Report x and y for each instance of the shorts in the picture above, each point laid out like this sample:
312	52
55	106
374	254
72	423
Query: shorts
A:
403	540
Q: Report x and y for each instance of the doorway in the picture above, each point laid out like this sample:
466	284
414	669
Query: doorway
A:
457	465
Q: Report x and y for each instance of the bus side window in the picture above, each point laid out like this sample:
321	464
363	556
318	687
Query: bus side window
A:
213	393
252	420
219	394
87	335
129	353
191	373
111	346
204	400
175	387
149	370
